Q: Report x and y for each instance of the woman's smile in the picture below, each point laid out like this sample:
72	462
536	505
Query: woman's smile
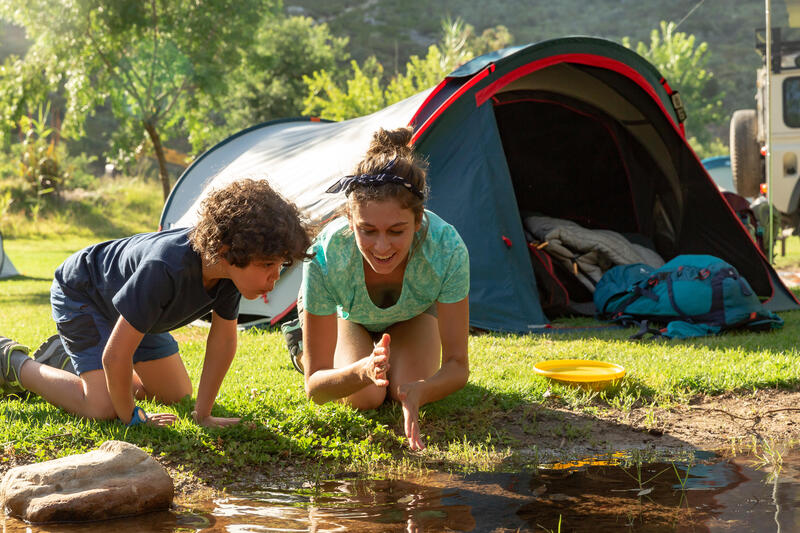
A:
384	232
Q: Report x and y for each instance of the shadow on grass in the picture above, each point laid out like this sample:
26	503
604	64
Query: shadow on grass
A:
31	298
479	421
37	431
22	277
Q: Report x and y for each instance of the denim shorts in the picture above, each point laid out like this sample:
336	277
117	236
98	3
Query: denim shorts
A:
85	332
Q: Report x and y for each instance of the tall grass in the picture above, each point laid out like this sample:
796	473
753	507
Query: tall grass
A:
112	208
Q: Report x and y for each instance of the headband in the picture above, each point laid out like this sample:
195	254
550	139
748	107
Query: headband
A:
383	177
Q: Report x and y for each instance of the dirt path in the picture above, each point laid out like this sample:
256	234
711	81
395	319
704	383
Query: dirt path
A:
708	423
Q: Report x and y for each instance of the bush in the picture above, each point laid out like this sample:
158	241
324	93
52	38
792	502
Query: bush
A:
43	163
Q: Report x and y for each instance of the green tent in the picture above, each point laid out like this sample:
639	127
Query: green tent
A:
577	128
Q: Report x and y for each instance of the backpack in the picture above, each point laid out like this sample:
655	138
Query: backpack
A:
693	295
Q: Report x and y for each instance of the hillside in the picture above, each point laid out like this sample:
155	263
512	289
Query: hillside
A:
393	30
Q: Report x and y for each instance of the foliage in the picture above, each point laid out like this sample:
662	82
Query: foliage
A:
148	59
268	84
24	85
364	91
710	149
111	208
683	65
41	162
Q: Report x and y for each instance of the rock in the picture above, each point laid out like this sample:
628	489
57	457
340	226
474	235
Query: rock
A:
118	479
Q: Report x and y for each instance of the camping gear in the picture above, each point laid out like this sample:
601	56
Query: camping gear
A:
576	128
7	269
588	373
587	252
560	291
747	216
694	295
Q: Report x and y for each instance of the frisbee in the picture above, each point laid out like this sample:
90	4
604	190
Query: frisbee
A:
579	371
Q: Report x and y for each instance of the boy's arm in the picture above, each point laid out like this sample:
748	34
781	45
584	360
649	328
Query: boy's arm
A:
220	349
118	366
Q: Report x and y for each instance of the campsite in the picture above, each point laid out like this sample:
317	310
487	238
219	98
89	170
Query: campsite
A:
523	144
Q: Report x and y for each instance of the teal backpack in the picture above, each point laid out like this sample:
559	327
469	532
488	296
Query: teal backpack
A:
692	295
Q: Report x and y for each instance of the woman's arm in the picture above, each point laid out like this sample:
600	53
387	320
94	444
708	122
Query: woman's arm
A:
454	372
220	349
451	376
324	382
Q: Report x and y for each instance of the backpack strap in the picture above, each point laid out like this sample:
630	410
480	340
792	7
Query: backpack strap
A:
645	329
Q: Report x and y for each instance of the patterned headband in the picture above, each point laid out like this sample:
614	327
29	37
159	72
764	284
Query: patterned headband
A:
383	177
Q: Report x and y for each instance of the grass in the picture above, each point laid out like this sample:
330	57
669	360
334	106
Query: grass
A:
284	432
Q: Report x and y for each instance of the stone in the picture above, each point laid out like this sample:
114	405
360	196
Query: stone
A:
118	479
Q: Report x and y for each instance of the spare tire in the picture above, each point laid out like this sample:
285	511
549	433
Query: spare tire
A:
745	153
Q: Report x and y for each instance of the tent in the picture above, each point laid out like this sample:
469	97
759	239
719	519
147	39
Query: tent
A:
719	168
578	128
7	269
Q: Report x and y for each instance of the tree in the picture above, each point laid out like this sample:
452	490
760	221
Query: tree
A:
151	59
268	83
364	91
683	65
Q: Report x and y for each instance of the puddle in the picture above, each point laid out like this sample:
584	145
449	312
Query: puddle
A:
709	493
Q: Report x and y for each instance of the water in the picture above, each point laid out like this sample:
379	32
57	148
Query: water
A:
708	494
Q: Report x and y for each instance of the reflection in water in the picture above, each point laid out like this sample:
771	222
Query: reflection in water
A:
707	493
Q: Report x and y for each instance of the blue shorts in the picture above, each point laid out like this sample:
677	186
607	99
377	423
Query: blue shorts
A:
85	332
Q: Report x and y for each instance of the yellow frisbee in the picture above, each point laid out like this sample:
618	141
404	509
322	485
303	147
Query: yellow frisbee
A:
579	370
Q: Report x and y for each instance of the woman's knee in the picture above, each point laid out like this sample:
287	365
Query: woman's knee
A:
369	398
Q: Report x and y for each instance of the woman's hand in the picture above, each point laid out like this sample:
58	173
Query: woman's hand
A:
214	421
408	394
376	365
161	419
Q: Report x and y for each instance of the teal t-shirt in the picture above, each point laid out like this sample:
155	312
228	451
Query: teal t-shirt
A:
333	281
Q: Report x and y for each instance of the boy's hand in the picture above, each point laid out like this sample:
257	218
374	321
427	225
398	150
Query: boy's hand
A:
215	421
377	364
161	419
408	394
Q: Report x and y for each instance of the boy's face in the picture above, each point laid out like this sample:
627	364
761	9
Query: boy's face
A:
384	232
257	278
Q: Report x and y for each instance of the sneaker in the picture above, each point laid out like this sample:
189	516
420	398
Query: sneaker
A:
52	353
10	351
293	333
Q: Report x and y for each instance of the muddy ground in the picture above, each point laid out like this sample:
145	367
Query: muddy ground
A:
727	424
548	433
716	423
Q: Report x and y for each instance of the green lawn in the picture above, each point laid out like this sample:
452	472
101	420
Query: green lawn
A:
283	430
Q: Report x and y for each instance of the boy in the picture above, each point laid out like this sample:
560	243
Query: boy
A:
115	302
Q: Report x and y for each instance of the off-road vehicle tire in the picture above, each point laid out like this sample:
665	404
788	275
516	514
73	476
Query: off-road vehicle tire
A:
745	153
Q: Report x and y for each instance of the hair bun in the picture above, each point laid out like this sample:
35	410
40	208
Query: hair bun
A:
391	142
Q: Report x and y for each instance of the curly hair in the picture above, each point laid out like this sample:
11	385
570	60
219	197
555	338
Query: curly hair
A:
385	146
246	221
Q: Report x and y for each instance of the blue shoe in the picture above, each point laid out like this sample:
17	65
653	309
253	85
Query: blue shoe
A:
52	353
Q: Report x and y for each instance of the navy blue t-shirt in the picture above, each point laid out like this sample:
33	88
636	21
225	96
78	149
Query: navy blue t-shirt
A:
154	280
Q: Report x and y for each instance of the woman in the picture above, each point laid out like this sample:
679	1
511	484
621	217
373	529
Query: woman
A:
386	292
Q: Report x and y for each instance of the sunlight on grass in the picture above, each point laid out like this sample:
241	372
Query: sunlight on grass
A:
283	430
